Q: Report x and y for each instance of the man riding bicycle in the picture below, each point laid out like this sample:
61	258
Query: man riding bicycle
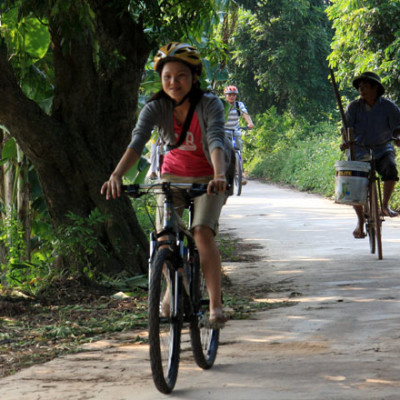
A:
375	120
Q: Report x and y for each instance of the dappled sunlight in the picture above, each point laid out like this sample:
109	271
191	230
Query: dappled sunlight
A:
352	288
391	240
277	300
289	272
267	339
318	299
365	300
338	378
297	258
382	382
319	259
301	299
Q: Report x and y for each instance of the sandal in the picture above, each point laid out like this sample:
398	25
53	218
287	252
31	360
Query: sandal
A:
218	320
358	235
388	212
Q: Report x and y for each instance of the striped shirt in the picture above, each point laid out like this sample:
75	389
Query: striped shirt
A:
232	120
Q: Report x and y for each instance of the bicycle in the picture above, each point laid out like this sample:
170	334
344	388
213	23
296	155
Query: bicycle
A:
238	174
177	291
373	212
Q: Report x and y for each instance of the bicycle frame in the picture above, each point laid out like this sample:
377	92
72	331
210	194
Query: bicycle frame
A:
238	174
373	210
175	233
175	261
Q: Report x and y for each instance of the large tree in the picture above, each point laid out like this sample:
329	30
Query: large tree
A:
93	67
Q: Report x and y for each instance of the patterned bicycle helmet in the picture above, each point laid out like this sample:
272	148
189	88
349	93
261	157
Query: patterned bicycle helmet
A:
175	51
231	89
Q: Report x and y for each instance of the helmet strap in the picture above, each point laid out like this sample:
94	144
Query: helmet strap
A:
182	101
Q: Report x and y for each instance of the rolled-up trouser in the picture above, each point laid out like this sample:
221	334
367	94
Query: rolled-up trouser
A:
386	167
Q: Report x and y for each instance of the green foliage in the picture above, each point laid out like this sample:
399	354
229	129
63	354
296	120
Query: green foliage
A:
367	37
75	240
28	38
9	152
287	150
145	209
294	152
279	57
138	172
12	241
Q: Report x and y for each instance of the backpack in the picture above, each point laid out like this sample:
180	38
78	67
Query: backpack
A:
237	107
228	108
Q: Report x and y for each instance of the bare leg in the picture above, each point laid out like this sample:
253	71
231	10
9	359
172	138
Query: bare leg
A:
359	233
211	267
388	187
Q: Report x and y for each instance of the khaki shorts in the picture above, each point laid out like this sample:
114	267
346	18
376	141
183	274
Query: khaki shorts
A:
207	208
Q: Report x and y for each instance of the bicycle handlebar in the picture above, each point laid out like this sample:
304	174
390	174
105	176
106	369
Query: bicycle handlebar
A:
193	189
371	146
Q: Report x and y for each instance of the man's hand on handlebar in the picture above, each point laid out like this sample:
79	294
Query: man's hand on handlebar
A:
344	146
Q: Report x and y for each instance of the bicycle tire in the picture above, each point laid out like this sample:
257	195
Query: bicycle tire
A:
375	211
204	340
164	331
369	221
238	175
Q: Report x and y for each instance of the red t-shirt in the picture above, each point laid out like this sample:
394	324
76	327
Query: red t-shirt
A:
189	158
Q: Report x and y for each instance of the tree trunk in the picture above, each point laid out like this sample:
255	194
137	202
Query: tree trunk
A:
75	149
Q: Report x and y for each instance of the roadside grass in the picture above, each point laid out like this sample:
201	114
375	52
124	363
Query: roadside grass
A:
72	314
306	164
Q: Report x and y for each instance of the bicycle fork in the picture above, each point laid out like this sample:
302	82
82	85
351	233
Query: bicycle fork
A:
378	184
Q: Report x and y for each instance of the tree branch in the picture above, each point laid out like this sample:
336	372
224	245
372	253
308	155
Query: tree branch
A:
27	122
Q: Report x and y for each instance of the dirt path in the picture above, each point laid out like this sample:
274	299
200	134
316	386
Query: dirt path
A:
339	340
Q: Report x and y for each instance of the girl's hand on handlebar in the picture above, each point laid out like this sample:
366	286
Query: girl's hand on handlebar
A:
217	185
112	188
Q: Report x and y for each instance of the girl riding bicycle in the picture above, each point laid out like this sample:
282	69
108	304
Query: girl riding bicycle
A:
190	122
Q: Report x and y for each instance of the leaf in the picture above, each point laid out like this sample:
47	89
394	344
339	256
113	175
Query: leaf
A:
4	128
9	150
36	37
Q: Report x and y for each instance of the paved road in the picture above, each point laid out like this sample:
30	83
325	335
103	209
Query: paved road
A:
339	340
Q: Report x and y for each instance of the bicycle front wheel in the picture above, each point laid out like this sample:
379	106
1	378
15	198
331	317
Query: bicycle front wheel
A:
165	321
370	223
204	339
238	175
376	216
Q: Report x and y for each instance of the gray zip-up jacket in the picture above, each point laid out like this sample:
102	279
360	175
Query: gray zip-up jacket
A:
159	113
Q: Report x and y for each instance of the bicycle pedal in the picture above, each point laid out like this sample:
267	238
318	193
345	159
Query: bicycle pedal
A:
203	322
